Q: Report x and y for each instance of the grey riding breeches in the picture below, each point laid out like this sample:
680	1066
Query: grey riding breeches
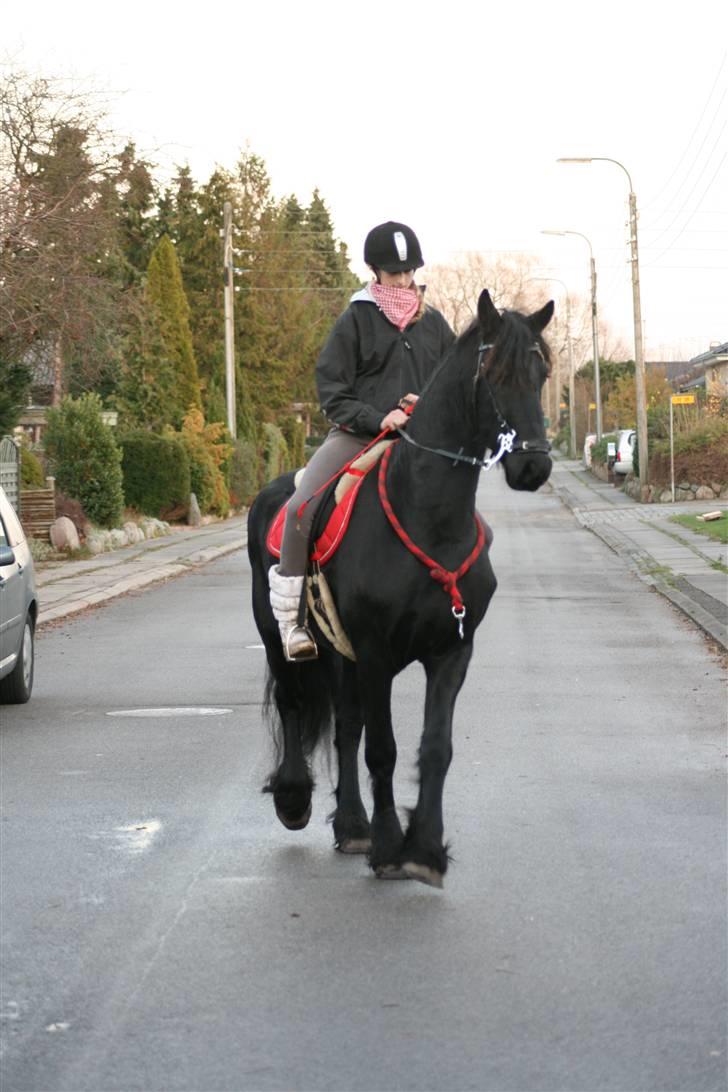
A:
338	448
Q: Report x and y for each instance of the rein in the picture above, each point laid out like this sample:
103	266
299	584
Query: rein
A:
448	579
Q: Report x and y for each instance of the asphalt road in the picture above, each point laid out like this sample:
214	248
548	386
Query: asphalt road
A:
161	931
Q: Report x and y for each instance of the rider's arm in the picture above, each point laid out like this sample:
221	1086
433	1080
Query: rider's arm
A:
336	381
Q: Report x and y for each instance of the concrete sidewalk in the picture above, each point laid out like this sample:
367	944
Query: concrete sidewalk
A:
680	564
66	587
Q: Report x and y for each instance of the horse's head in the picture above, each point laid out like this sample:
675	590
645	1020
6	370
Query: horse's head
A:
512	369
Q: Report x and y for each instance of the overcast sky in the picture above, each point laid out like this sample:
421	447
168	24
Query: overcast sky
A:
446	115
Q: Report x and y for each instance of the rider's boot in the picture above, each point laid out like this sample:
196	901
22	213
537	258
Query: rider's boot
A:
285	599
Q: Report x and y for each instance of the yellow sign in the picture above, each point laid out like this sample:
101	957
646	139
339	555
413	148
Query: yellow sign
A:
592	405
683	399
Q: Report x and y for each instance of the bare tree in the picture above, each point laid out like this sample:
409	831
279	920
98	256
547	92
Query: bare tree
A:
454	289
57	226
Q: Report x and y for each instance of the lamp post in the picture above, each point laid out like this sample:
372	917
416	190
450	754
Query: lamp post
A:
595	334
639	354
572	396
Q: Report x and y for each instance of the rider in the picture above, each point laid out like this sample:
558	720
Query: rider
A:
378	357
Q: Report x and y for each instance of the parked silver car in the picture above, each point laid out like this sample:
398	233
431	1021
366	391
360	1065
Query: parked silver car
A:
18	608
624	459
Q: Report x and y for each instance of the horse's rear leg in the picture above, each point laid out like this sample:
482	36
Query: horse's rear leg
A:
291	783
351	823
424	856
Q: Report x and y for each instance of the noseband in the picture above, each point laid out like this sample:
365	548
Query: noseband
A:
508	440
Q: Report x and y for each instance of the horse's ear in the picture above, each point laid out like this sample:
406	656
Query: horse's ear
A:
488	316
539	320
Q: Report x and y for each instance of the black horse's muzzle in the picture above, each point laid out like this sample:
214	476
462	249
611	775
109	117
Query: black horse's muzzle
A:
528	465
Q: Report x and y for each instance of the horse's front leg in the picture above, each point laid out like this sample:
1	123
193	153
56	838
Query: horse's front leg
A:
424	854
351	823
380	752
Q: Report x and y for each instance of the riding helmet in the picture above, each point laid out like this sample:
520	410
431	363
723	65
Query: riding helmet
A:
392	247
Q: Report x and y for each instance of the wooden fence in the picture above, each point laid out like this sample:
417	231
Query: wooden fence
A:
37	512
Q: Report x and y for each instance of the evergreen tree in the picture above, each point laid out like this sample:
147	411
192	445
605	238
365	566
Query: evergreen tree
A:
14	387
176	379
133	196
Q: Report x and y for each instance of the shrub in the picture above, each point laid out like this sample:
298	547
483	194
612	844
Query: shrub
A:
156	473
701	453
209	456
275	452
599	450
32	475
86	458
244	472
294	433
73	509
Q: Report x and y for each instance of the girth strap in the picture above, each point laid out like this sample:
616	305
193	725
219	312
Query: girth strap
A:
448	579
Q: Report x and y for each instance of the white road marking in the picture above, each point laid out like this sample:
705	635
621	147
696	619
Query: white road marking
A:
171	711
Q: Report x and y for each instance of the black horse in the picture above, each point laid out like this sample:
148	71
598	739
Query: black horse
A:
484	396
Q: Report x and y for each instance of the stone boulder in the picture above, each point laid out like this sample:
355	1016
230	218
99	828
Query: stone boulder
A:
97	541
133	532
63	534
194	515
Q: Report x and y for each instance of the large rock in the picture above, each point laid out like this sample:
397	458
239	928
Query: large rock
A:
134	533
194	515
97	541
64	535
118	538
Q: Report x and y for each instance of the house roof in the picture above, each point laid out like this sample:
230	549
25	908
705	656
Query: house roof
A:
693	374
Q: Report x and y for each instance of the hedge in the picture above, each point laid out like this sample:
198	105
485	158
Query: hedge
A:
156	472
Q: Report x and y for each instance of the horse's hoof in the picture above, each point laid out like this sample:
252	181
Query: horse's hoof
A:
390	872
423	874
354	845
295	824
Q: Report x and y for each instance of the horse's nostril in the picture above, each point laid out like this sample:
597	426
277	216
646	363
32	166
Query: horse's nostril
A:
528	472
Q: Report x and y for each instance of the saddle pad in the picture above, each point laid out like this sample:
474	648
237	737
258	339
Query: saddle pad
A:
327	543
347	489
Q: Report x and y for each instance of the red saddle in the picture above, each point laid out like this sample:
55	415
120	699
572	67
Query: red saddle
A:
333	533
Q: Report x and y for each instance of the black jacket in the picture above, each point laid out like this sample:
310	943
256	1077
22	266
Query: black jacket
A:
367	364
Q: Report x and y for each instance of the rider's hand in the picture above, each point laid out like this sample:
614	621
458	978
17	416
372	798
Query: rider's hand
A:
396	418
408	400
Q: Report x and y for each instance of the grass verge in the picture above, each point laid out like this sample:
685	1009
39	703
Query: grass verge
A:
717	528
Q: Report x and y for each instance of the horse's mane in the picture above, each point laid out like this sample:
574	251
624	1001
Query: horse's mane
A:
511	359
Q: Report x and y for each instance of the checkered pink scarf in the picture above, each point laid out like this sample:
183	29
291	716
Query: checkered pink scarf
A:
400	305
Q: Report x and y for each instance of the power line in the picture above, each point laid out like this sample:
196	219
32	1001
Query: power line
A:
692	136
710	183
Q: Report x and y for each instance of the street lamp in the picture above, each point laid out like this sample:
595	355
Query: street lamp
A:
572	397
595	335
639	354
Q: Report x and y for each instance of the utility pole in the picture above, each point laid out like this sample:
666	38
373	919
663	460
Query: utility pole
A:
557	369
229	289
572	385
595	344
639	352
594	324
